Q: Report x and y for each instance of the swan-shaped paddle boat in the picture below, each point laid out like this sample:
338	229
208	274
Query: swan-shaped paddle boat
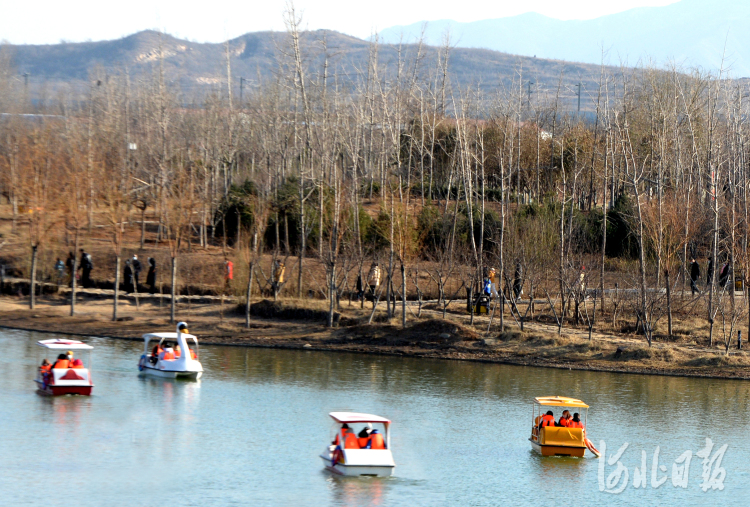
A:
361	446
65	375
172	357
549	438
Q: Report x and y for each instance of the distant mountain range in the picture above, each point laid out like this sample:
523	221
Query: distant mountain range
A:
198	67
693	33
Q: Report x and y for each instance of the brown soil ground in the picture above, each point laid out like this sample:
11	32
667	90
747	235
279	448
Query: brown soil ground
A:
427	336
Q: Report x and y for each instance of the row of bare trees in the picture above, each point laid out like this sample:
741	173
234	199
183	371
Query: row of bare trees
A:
399	166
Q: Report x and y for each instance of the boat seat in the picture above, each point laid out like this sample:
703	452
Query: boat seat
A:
562	436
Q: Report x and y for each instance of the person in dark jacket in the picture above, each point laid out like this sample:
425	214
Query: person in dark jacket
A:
710	271
695	274
70	263
151	276
136	271
724	274
128	277
86	266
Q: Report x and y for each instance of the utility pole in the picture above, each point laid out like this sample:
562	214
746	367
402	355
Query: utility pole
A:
242	83
579	99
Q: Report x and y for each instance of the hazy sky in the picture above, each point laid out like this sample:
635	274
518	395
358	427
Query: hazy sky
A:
50	21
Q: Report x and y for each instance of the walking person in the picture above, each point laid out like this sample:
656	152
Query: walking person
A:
518	281
128	277
228	272
151	276
137	267
710	271
695	274
86	266
373	280
70	263
60	269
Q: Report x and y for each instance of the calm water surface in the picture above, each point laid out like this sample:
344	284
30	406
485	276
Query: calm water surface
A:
250	431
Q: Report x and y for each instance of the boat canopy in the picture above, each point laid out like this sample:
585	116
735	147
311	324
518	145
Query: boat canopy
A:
64	345
559	401
173	336
355	417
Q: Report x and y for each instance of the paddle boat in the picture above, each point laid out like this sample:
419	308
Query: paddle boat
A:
65	376
166	360
361	456
555	440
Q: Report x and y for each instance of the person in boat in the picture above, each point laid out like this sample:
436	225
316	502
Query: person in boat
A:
341	435
61	362
548	419
565	419
44	371
375	441
156	353
364	436
575	422
350	440
76	363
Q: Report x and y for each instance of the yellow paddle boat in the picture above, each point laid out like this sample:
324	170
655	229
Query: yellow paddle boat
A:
554	440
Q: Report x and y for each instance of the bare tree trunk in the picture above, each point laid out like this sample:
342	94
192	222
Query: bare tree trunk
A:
32	278
403	296
117	288
172	306
249	293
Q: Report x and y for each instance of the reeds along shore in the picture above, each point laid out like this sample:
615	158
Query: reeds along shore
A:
329	174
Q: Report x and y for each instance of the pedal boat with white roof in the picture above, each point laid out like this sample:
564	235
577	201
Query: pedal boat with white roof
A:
61	381
359	462
184	366
557	440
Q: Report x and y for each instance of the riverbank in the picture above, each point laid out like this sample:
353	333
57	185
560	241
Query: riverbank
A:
429	336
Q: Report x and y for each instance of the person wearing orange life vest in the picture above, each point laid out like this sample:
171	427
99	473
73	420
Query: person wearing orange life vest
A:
548	419
376	441
341	435
350	440
62	362
575	422
565	419
364	436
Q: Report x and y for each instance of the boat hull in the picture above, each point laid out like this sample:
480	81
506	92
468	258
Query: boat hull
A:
188	375
558	450
358	470
51	390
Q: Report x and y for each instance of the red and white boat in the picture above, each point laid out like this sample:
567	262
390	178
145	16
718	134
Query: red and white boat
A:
72	379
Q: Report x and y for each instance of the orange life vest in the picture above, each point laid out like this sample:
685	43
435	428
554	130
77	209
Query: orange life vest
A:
351	441
61	363
168	356
340	436
363	441
563	422
77	363
193	355
547	420
45	368
575	424
376	441
177	351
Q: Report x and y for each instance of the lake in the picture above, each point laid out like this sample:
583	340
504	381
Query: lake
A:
250	432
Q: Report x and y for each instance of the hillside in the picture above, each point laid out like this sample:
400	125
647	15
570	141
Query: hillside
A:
199	67
705	33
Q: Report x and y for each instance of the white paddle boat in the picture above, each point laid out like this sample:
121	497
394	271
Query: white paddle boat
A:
172	357
361	446
65	374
